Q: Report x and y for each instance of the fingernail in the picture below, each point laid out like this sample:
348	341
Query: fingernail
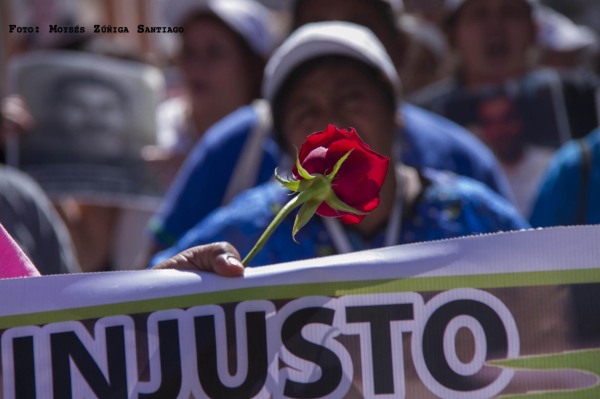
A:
233	261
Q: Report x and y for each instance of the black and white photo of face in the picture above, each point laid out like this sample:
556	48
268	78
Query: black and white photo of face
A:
91	115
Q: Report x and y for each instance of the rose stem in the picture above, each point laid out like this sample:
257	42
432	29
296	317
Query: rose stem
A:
287	208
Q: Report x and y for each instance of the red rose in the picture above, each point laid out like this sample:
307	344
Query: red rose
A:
336	175
358	181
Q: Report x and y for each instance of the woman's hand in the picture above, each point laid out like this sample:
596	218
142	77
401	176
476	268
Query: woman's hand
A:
220	258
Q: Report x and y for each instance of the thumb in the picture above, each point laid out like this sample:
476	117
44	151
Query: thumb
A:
220	258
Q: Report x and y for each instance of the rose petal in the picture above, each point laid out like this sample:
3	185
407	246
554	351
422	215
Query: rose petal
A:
360	178
315	162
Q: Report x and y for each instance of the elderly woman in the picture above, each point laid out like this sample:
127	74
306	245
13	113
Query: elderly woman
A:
335	72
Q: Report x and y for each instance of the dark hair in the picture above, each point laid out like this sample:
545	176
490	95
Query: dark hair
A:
383	8
254	63
452	17
281	96
384	25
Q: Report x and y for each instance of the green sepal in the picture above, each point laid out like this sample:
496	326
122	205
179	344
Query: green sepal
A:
305	184
303	216
293	185
338	165
337	204
303	172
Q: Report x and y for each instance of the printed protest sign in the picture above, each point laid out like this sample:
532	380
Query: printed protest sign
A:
530	110
479	317
93	115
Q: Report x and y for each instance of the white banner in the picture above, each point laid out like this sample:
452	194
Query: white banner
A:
479	317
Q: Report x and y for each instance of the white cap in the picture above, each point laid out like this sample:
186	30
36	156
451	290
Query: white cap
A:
319	39
250	19
559	33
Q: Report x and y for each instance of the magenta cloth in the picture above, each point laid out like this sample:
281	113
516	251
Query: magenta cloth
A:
13	261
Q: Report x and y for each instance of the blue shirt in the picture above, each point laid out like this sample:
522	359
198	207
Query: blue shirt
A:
429	140
560	193
449	206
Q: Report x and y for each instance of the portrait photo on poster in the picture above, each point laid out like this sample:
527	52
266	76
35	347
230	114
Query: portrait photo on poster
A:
93	115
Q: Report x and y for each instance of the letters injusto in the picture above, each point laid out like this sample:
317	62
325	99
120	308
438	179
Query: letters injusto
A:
265	348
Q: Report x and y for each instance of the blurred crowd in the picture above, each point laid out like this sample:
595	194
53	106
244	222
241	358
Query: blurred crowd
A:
488	110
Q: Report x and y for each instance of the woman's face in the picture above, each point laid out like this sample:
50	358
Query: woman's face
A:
492	38
213	63
339	93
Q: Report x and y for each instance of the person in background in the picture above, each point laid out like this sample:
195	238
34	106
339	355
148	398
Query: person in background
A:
570	195
426	54
523	113
89	112
337	72
25	209
30	218
210	179
222	52
104	236
83	120
495	42
570	190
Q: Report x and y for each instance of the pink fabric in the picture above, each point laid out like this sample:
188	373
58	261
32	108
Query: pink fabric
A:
13	262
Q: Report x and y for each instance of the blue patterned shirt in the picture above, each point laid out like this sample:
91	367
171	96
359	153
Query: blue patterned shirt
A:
449	206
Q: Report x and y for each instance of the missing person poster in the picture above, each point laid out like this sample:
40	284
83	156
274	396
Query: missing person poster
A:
511	315
92	115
